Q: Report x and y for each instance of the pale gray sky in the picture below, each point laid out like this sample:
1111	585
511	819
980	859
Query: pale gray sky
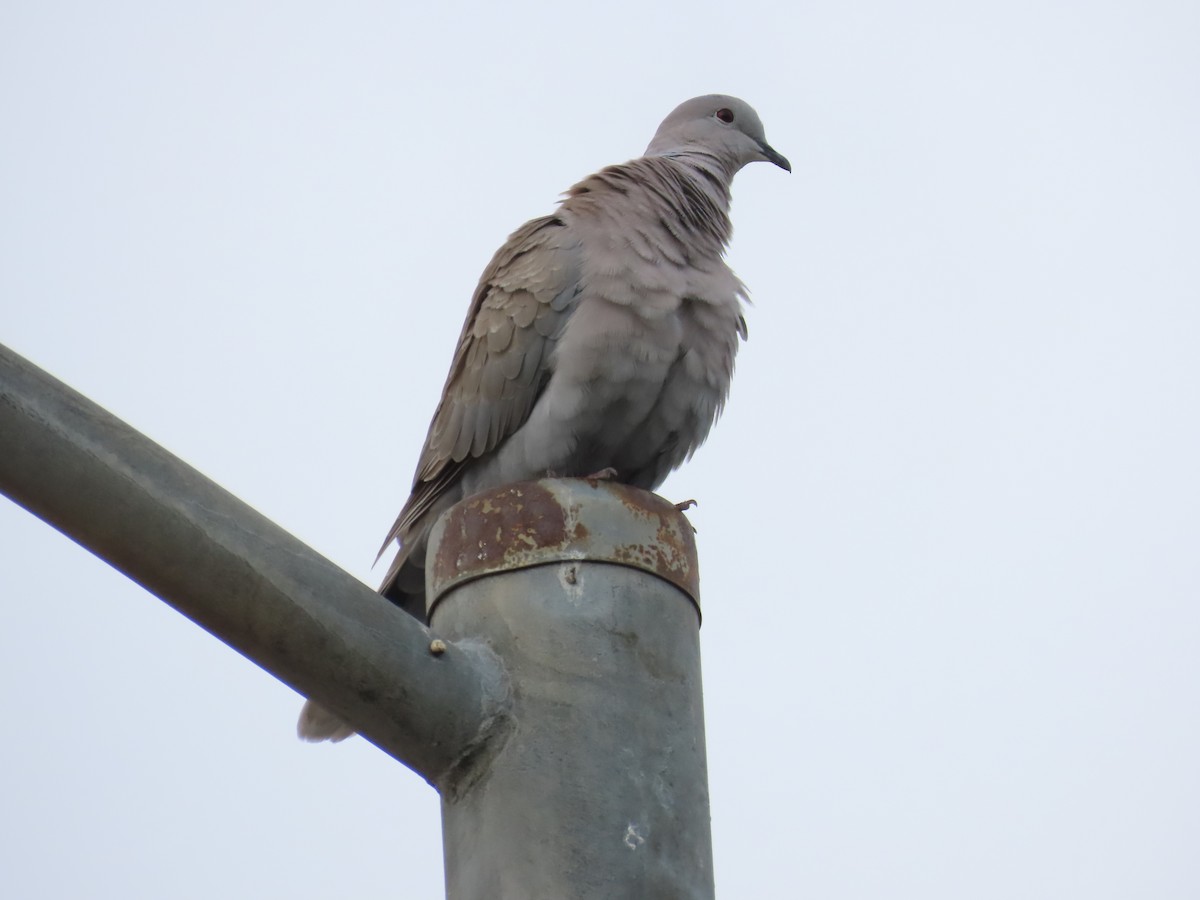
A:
949	525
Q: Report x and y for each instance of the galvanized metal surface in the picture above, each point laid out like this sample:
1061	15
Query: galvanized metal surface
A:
241	577
540	522
558	709
599	789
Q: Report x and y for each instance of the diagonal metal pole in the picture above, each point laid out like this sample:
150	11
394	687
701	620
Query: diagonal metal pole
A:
241	577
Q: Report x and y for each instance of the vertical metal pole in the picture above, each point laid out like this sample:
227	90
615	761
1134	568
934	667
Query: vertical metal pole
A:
599	789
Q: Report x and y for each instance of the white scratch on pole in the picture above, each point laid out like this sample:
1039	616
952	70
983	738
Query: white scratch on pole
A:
633	840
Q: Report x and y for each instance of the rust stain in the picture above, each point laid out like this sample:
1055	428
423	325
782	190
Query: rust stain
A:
497	529
534	523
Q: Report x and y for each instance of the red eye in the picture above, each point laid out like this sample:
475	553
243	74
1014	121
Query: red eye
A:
725	115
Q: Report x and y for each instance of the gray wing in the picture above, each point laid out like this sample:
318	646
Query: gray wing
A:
500	367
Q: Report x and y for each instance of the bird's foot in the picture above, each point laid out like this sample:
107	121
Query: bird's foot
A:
608	473
684	506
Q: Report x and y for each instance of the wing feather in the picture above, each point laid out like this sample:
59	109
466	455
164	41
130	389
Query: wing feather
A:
519	309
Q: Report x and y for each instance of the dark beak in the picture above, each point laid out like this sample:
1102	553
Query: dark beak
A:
775	156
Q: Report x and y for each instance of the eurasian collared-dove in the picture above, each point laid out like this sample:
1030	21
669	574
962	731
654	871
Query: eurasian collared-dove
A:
600	337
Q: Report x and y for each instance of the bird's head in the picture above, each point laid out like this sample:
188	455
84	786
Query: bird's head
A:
720	126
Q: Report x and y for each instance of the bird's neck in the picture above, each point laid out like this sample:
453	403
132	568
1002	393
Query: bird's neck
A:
688	188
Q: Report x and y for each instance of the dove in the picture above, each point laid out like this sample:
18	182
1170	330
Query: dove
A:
600	341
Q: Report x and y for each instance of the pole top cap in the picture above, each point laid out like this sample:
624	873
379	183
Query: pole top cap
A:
536	523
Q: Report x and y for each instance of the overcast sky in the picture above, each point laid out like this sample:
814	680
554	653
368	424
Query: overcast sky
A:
949	526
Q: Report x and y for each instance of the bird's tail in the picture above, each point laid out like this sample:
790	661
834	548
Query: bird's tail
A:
319	724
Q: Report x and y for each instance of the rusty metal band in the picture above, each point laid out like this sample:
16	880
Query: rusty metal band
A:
537	523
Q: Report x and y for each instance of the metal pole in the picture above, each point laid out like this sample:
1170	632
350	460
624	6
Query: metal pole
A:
241	577
599	790
562	720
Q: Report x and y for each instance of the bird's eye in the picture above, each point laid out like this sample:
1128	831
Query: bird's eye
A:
725	115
